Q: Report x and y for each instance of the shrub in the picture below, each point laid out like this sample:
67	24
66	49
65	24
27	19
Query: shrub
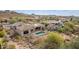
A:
70	24
2	33
3	43
68	27
12	46
13	21
75	43
54	40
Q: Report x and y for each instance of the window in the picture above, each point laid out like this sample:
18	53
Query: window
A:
42	28
46	25
26	32
14	27
31	30
37	28
56	23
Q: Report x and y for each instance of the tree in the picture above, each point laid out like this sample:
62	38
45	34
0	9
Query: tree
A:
54	40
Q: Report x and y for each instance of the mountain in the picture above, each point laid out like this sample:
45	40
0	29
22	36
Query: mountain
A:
9	14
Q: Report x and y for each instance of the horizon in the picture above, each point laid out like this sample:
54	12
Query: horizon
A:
51	12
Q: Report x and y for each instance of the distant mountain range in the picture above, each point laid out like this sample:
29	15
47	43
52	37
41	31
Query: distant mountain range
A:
9	14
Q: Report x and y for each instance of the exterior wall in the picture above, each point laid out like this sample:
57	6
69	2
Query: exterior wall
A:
19	32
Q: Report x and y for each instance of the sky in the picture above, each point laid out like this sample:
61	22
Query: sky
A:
51	12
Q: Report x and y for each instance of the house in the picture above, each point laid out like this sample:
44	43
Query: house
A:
54	25
65	19
26	29
4	20
6	26
21	28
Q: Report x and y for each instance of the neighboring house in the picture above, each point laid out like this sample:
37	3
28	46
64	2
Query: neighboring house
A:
54	25
5	20
6	26
64	19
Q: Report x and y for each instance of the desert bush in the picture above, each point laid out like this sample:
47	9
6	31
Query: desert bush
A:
12	46
75	43
3	43
54	40
13	21
67	28
2	33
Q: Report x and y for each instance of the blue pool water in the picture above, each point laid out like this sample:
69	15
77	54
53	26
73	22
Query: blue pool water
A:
40	33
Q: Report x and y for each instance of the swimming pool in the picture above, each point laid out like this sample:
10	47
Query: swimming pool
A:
40	33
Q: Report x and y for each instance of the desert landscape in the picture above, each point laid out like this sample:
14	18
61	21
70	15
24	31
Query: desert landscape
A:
31	31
